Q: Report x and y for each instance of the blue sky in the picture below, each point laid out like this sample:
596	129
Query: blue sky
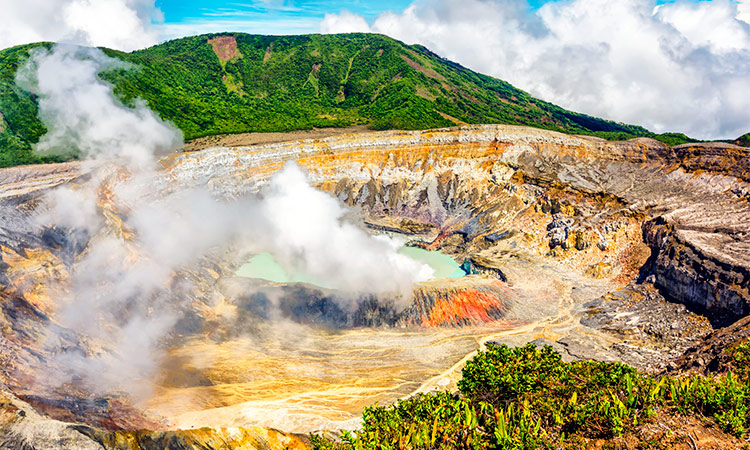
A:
181	11
268	16
273	16
176	11
185	17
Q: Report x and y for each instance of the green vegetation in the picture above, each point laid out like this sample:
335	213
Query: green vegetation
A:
19	125
285	83
673	139
743	140
528	398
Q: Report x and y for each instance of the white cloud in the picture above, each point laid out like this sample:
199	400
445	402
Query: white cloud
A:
121	24
744	10
710	24
344	22
682	66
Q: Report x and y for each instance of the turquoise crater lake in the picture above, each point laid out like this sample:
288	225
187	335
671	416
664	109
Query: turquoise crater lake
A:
263	266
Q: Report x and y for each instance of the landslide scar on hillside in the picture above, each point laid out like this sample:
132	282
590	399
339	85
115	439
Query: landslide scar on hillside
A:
225	48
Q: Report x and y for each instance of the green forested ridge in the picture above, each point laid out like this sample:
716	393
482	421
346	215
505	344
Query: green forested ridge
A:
284	83
19	125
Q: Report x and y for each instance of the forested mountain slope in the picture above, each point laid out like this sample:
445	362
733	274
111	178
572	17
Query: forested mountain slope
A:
233	83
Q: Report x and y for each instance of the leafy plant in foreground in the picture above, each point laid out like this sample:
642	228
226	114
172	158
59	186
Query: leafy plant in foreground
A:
527	397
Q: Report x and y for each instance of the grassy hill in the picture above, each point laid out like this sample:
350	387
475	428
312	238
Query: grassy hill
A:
233	83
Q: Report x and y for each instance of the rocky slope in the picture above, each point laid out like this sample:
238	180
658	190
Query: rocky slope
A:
602	249
22	428
474	185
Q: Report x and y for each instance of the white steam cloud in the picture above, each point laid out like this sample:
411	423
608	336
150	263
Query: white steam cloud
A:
305	230
81	113
682	66
126	291
120	24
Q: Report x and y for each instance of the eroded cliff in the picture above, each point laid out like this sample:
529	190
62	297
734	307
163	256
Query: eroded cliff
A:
579	199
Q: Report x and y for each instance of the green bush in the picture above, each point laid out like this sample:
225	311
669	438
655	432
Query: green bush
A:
598	398
527	398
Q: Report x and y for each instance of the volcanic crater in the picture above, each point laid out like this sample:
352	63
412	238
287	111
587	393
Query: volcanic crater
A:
631	251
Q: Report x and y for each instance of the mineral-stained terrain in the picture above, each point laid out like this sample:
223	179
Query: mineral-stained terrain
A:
631	251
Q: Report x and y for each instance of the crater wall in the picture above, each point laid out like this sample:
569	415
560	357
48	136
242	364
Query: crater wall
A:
580	199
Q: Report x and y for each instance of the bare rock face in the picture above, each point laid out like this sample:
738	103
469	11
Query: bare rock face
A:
713	354
704	281
22	428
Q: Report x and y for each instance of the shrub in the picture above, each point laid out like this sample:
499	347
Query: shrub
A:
527	397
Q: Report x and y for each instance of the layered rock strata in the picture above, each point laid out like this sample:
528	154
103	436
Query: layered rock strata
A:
477	185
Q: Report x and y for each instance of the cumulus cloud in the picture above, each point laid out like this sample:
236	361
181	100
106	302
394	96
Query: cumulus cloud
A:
344	22
120	24
682	66
743	9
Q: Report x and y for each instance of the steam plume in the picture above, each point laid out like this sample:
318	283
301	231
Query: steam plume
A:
81	112
304	229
